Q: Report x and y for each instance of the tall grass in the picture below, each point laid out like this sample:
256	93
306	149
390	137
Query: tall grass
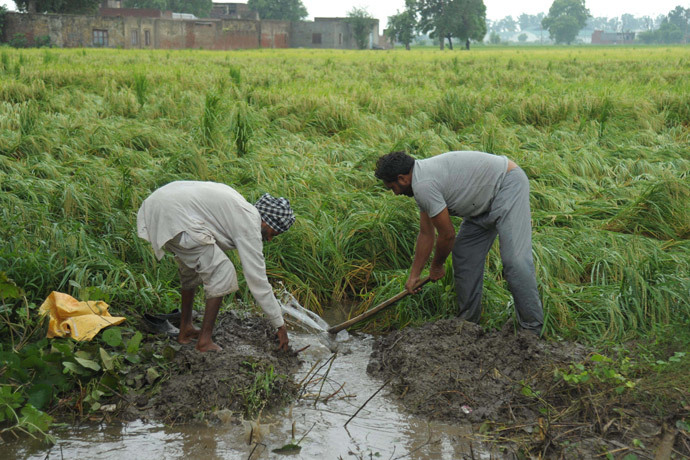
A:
602	134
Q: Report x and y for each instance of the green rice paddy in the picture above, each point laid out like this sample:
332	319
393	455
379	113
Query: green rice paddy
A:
86	135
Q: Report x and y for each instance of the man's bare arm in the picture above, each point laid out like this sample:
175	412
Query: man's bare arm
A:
425	243
444	243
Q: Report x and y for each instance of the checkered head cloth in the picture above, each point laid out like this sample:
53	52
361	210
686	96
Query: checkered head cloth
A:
276	212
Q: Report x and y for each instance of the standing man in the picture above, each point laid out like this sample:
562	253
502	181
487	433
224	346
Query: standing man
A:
197	222
491	194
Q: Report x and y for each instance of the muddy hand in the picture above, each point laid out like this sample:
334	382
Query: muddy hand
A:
282	338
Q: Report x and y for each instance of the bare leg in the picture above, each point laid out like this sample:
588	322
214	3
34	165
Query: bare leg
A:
205	342
187	329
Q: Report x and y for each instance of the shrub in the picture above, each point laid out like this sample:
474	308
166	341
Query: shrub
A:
18	41
42	41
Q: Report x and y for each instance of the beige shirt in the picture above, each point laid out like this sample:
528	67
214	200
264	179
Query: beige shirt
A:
211	213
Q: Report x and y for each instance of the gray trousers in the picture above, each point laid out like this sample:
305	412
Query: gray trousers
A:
509	217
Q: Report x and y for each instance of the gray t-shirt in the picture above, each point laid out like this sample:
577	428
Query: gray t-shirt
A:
463	182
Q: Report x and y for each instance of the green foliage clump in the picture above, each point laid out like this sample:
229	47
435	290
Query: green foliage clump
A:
361	23
565	19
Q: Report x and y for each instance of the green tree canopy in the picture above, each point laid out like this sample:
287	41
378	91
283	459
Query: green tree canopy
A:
57	6
673	29
565	19
199	8
3	10
402	26
287	10
461	19
361	23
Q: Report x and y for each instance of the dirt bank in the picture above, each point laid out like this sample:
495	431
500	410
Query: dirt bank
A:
247	376
504	383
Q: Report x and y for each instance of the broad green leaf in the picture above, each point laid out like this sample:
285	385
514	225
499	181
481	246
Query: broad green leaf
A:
107	360
65	347
9	359
83	354
89	364
35	420
8	288
9	397
40	395
74	368
133	344
112	336
288	449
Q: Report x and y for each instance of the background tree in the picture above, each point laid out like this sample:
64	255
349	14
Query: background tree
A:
494	38
468	21
507	24
522	38
57	6
361	23
565	19
287	10
446	19
530	21
199	8
672	29
3	10
401	26
680	17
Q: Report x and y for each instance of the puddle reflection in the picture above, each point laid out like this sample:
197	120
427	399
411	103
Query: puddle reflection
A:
380	430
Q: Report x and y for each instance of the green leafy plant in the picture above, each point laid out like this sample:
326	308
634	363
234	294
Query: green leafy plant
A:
601	369
256	395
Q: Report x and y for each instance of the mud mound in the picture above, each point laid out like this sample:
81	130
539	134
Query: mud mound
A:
200	383
453	370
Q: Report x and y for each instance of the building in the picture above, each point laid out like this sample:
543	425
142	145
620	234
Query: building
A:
130	28
233	11
329	33
599	37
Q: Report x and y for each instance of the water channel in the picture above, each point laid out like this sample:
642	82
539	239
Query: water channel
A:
381	429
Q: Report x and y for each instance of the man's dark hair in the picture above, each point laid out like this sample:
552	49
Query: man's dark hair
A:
390	166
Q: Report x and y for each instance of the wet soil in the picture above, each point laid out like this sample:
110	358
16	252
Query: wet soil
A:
503	383
197	385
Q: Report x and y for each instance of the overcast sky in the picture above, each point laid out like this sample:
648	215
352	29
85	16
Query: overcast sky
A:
495	9
498	9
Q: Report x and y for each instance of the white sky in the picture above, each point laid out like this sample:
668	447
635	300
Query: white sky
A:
495	9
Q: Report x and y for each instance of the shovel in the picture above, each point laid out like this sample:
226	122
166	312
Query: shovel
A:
376	309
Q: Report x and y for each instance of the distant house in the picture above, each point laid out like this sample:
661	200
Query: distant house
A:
329	33
233	26
233	11
599	37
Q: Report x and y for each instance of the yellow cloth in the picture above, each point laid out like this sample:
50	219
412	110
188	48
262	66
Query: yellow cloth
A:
79	320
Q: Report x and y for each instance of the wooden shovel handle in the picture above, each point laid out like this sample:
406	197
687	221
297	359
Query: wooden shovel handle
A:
376	309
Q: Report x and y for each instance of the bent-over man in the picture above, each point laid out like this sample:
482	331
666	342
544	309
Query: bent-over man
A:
197	222
491	194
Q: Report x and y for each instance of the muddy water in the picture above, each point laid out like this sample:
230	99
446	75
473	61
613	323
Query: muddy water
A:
381	429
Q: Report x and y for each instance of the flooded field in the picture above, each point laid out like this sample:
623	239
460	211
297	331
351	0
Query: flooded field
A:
446	390
381	429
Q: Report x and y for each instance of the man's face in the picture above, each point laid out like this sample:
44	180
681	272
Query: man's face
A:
267	232
399	187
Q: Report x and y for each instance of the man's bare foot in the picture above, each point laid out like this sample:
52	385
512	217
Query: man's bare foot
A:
210	346
188	334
